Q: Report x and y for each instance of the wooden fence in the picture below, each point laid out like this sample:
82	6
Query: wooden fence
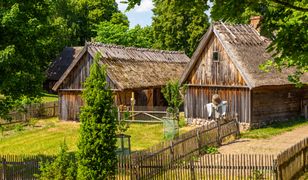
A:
143	114
183	158
20	167
211	166
48	109
293	161
285	166
187	145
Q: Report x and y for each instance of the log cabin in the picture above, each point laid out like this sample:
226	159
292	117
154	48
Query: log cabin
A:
137	72
226	62
59	66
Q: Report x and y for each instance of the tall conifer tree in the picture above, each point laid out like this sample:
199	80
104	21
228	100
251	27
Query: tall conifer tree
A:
97	144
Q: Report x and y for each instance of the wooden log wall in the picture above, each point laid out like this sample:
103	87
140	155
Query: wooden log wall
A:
70	103
238	101
276	104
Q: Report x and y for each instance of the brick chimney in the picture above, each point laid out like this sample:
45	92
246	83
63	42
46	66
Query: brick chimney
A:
255	21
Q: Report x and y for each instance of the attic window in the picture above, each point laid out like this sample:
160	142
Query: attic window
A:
215	56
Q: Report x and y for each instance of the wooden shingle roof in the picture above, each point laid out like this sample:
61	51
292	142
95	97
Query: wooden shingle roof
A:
62	62
136	68
248	50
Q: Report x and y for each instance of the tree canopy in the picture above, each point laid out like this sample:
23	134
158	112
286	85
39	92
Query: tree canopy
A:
120	34
179	24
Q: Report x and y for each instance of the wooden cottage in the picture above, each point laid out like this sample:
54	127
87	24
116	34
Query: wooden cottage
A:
227	62
59	66
131	72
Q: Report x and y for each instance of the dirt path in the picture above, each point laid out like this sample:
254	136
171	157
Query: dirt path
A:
272	145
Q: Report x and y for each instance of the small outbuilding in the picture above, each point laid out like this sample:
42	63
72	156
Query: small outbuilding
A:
59	66
226	62
137	72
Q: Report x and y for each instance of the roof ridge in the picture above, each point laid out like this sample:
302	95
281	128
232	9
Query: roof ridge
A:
133	48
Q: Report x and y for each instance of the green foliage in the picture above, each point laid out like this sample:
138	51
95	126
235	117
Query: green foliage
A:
32	122
209	150
97	141
182	122
19	127
285	22
78	18
172	94
123	126
120	34
257	175
179	24
1	129
64	167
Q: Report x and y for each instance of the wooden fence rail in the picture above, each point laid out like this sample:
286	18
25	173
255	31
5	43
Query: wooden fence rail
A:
48	109
293	161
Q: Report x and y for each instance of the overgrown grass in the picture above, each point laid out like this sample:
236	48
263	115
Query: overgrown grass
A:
49	97
274	129
48	134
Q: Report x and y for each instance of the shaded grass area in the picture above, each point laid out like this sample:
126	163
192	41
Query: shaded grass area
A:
49	133
274	129
49	97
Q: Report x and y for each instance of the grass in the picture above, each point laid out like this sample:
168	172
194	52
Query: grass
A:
48	134
274	129
49	97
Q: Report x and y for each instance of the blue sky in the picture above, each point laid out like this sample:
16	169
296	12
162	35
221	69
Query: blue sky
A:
140	14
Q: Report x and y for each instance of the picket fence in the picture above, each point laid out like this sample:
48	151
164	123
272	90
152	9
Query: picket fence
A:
184	163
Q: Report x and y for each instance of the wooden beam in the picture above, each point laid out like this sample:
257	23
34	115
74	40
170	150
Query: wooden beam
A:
216	86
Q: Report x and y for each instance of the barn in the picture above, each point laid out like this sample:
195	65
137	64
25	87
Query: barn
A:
59	66
137	72
226	62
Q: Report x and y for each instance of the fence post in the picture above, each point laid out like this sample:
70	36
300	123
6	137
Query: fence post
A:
305	159
192	169
3	168
218	133
199	143
171	151
54	109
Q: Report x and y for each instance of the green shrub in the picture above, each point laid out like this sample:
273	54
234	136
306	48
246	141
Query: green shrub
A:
1	130
32	122
19	127
257	175
182	122
210	150
64	167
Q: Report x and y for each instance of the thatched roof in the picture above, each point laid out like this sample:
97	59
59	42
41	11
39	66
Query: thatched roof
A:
247	49
136	68
62	62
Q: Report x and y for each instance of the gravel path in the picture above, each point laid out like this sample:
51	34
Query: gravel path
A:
272	145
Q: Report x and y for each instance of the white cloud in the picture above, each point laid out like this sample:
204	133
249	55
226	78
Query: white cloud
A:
122	6
145	6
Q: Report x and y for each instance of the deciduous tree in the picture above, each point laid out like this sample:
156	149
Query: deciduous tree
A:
179	24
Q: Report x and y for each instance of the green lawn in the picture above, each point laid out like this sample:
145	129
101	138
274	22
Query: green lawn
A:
51	133
49	97
274	129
